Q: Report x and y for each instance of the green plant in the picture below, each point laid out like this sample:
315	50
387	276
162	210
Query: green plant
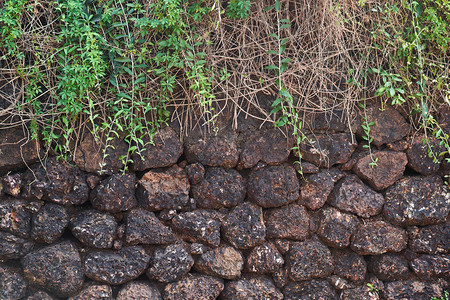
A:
11	32
366	125
238	9
372	287
445	296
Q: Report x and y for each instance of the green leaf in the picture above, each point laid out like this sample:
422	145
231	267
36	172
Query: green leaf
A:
272	52
277	6
271	67
122	59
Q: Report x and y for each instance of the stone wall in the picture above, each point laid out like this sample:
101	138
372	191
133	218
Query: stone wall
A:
228	216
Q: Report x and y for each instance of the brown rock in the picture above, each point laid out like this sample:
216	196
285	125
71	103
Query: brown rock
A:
12	284
194	287
17	149
419	151
431	266
389	168
49	223
290	222
273	186
352	195
389	127
14	217
389	267
308	260
199	226
143	227
163	190
312	289
115	193
336	227
13	247
224	262
417	200
195	173
328	150
432	239
349	265
257	288
243	227
362	292
264	259
163	151
220	188
94	291
12	184
137	290
411	289
375	238
316	188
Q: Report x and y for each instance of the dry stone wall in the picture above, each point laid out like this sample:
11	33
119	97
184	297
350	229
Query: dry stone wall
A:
227	216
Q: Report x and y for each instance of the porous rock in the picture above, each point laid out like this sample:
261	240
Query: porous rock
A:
243	227
56	181
116	267
273	186
336	227
388	169
431	239
257	288
417	200
94	291
40	295
17	149
56	268
199	226
94	229
225	262
13	247
290	222
115	193
352	195
219	188
12	183
264	259
389	267
169	263
316	188
14	217
349	265
163	150
137	290
361	292
143	227
307	260
315	289
12	284
195	172
163	190
325	150
411	289
431	266
49	223
194	287
419	158
378	237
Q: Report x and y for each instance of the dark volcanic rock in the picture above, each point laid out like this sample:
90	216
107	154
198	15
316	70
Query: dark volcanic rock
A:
418	155
214	151
143	227
49	223
328	150
137	290
165	150
273	186
195	172
170	263
352	195
13	247
94	228
378	237
389	267
349	265
94	291
309	290
308	260
307	168
389	125
431	266
115	193
389	168
225	262
256	288
90	157
116	267
57	182
17	149
194	287
40	295
315	189
290	222
56	268
219	188
243	227
268	146
362	292
12	184
432	239
264	259
199	226
12	284
417	200
336	227
280	278
166	190
14	217
411	289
